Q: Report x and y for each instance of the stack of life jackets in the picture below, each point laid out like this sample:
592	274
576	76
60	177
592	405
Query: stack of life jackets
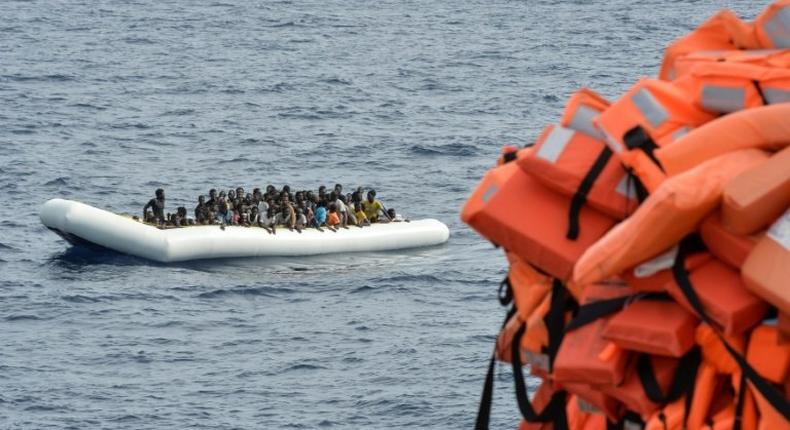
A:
648	240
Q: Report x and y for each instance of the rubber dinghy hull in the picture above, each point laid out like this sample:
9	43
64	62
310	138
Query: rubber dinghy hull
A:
81	223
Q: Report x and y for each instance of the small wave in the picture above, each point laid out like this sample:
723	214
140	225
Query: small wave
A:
78	298
284	24
455	150
304	366
57	181
22	318
245	291
361	289
87	106
8	247
338	81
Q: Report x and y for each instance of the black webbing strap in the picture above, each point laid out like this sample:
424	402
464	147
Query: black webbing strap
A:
774	398
637	138
580	196
685	374
760	92
505	293
553	411
484	411
555	320
594	310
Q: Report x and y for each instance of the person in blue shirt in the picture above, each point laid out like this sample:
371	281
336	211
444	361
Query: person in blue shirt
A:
320	215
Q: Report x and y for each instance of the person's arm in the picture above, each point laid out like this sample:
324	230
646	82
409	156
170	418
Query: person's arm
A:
383	211
145	208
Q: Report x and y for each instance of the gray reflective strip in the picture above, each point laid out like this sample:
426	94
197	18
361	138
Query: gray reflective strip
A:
778	28
489	193
555	143
582	121
723	99
677	134
626	188
776	95
650	107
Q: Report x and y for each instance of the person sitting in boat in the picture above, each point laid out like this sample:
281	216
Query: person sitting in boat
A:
359	214
202	212
267	220
286	217
332	217
212	198
351	218
373	208
223	212
319	216
244	209
179	219
230	202
394	216
301	220
157	206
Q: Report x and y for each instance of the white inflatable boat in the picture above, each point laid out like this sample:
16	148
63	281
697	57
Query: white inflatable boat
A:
79	223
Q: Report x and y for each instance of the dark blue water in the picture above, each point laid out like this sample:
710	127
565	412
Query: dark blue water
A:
105	101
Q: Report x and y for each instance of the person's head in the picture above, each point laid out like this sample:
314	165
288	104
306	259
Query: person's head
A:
201	199
322	189
212	193
286	189
342	198
231	194
338	188
391	212
332	207
371	195
160	194
239	191
332	196
222	194
309	195
181	211
248	198
254	210
285	198
270	189
298	196
357	207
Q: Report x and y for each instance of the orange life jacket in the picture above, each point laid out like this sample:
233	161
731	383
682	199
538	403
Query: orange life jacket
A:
581	166
584	355
504	340
724	297
529	287
664	218
770	359
728	247
652	114
729	87
659	327
593	401
772	27
724	30
767	269
755	198
503	209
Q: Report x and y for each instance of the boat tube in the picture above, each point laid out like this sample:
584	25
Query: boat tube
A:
81	224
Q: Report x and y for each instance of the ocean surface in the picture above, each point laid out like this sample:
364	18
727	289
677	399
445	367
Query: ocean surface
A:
104	101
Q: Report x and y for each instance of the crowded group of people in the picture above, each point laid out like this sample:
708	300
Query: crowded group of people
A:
273	208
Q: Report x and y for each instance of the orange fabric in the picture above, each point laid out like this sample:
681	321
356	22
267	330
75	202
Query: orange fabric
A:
777	58
784	329
504	340
734	77
332	219
578	359
763	127
770	418
670	417
713	351
512	209
769	359
529	287
592	401
722	31
540	399
642	277
724	297
663	219
749	416
565	171
705	387
726	246
536	335
678	112
763	23
755	198
767	269
653	327
632	394
583	98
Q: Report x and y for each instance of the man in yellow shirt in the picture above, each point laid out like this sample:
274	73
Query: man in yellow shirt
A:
373	207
